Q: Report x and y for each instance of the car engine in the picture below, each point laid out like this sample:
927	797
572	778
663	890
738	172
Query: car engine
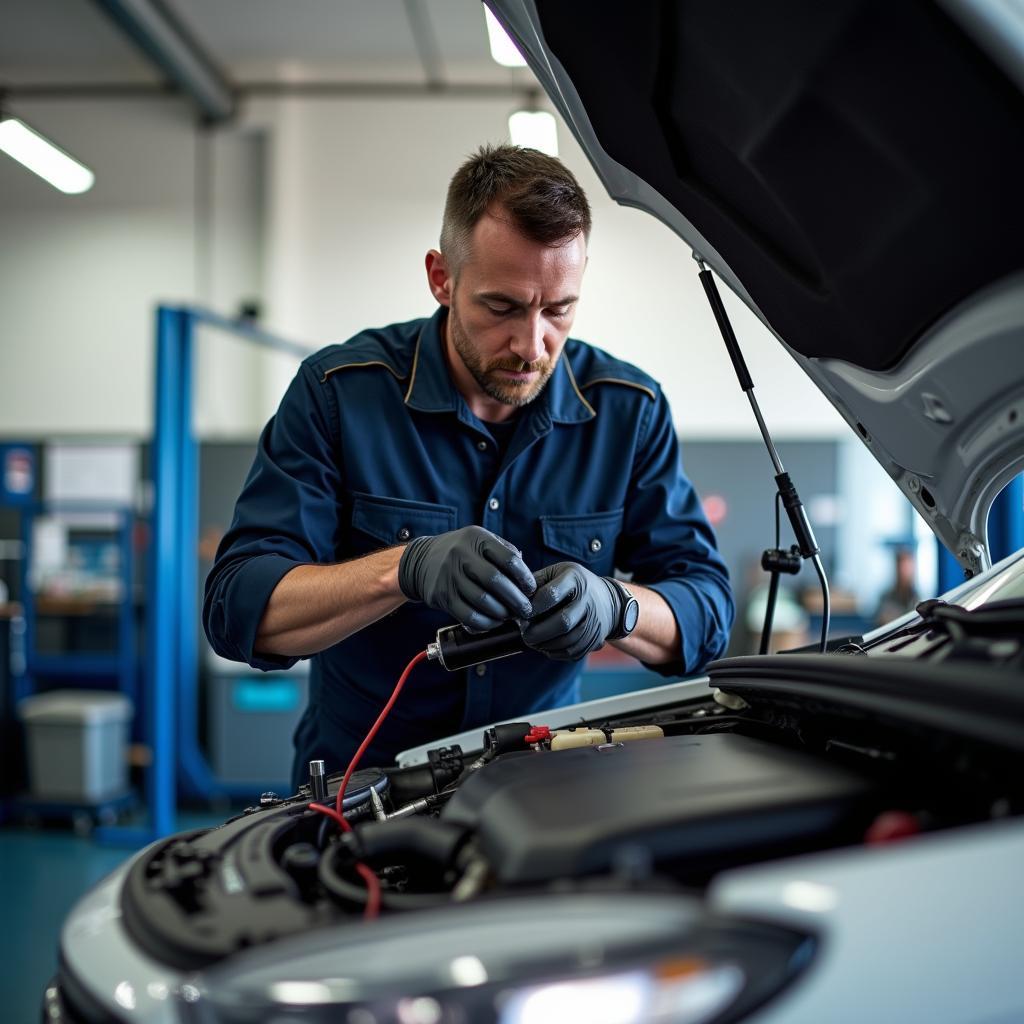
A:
602	807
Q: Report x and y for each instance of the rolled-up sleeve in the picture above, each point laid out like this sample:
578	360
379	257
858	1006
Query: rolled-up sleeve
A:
286	515
669	547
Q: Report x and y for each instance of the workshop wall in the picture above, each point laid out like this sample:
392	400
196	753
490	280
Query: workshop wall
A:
324	208
78	273
172	217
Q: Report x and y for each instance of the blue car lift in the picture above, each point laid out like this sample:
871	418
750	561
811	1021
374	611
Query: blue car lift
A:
172	670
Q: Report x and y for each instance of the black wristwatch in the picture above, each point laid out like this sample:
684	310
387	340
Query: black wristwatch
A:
629	611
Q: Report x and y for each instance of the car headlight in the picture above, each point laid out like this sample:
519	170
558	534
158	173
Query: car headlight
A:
682	992
604	958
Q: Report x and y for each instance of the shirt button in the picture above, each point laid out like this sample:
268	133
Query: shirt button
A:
481	670
494	504
595	545
482	445
404	533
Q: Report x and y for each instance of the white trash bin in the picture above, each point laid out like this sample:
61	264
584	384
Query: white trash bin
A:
76	742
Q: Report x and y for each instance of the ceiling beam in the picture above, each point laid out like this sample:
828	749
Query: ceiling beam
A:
390	90
313	89
425	38
159	34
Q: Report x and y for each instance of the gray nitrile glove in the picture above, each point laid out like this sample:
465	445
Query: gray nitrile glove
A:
472	574
573	612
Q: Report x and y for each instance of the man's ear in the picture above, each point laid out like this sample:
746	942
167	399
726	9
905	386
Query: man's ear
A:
439	279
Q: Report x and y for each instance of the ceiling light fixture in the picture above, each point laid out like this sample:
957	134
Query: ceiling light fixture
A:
535	129
503	50
40	155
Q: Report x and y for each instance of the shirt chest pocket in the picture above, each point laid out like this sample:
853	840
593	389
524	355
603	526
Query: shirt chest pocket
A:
382	522
588	539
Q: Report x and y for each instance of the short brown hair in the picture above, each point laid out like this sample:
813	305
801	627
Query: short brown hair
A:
537	191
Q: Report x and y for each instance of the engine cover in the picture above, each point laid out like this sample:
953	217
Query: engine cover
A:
695	802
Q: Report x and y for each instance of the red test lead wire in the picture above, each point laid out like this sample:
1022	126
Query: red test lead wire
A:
336	812
339	803
372	908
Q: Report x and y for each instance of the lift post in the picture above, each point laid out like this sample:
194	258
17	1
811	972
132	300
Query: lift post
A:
171	672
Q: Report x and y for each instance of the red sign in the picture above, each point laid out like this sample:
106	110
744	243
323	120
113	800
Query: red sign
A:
715	508
19	473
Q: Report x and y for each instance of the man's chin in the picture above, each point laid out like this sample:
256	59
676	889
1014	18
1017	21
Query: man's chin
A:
511	394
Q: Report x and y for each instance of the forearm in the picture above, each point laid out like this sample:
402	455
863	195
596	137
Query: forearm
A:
314	607
656	637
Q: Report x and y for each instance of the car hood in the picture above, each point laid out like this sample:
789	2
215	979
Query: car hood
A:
854	172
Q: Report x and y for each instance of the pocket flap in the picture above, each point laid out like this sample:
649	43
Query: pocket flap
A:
584	538
396	520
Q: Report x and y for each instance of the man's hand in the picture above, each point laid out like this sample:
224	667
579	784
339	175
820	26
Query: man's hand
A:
472	574
573	612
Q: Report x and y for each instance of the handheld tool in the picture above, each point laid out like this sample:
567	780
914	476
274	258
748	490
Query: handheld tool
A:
456	647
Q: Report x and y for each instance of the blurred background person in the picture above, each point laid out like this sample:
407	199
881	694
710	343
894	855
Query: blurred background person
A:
902	596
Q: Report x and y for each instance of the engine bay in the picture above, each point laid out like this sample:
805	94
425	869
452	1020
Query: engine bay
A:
656	803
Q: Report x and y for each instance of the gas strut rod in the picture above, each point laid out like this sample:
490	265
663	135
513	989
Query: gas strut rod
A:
794	507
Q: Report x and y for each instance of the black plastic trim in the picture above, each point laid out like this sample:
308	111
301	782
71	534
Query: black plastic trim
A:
977	701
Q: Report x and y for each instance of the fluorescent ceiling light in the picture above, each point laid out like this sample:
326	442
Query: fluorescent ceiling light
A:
503	50
534	128
40	155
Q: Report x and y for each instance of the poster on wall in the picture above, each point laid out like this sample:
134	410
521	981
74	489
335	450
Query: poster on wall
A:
90	472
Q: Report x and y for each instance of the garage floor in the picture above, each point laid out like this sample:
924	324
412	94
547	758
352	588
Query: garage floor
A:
42	874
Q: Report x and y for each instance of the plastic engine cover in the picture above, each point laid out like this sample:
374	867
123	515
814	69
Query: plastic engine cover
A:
692	802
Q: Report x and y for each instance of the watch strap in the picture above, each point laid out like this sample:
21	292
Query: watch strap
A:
625	596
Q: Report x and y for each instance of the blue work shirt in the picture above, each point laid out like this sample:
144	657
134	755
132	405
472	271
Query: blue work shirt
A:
373	445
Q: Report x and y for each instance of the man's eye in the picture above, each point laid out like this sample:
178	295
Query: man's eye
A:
500	310
557	314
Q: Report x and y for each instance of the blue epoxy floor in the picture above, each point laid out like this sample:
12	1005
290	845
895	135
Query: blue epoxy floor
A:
42	874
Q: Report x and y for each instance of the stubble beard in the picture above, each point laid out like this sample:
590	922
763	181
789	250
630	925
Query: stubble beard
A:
485	374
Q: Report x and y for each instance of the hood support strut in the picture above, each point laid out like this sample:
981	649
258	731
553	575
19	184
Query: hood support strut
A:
773	560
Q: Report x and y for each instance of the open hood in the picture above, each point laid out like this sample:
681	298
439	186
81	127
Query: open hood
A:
854	171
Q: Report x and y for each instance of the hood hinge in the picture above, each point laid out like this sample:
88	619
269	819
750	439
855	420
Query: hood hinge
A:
970	552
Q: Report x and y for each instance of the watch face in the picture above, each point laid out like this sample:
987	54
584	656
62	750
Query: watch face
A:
630	614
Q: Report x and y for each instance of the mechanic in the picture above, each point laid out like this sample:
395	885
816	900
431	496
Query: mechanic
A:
477	466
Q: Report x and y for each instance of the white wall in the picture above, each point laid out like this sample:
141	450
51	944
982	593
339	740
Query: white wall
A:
334	237
230	243
172	217
78	274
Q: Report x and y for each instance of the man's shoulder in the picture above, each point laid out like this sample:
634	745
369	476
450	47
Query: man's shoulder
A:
594	368
389	349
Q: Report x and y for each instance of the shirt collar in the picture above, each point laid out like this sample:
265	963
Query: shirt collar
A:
430	384
431	388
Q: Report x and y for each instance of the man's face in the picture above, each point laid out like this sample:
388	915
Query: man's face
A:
512	304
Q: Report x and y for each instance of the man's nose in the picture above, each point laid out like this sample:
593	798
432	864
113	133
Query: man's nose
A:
528	342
